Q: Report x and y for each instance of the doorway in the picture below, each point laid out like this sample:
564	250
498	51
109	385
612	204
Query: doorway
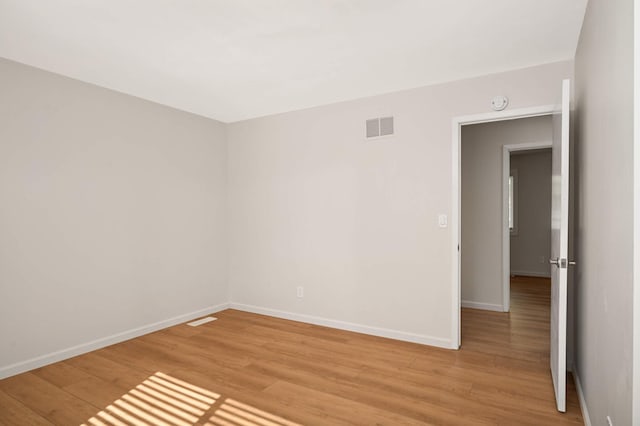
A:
458	124
490	201
505	231
528	204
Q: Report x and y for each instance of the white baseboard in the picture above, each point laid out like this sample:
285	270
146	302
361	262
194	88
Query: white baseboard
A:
41	361
583	402
531	274
479	305
343	325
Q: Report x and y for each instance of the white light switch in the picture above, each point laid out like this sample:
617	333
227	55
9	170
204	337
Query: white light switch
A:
442	220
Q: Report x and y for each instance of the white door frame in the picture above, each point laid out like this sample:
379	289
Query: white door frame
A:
506	235
635	393
457	123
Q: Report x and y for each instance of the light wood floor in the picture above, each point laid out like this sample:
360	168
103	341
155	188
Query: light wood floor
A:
246	369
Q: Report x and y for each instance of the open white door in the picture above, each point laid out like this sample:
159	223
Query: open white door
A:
560	246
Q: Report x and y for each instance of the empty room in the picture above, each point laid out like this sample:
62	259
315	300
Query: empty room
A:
346	212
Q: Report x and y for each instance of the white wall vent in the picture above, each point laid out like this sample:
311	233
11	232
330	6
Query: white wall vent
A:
201	321
377	127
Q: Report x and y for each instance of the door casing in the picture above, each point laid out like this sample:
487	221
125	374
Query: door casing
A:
456	195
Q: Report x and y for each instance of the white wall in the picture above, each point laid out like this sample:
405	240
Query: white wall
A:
530	245
112	215
481	248
355	222
604	210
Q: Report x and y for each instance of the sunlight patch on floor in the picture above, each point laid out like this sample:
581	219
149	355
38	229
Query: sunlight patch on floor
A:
163	400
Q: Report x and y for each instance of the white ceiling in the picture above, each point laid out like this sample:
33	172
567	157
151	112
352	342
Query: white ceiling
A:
237	59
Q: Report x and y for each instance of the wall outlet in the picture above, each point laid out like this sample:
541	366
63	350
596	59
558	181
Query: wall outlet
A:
542	259
300	292
609	422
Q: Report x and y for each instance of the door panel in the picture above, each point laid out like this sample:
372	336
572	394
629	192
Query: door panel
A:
560	246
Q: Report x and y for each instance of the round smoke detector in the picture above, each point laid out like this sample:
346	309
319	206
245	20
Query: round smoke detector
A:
499	103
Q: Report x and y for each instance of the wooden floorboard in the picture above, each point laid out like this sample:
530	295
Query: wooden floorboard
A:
247	369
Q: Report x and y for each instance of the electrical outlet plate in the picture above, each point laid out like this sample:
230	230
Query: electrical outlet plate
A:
300	292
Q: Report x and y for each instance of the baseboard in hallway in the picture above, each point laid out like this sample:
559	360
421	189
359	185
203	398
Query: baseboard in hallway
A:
530	274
